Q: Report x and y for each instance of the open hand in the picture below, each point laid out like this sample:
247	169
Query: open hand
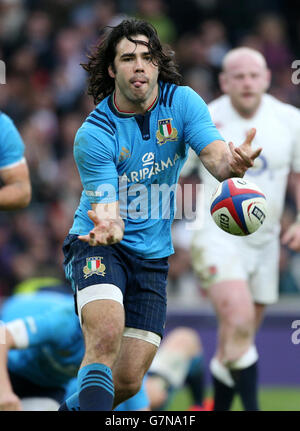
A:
291	237
243	156
105	232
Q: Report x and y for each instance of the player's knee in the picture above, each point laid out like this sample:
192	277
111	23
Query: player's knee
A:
240	321
184	339
129	385
243	331
104	339
156	391
240	328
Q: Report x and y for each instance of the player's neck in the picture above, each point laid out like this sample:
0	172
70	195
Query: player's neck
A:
244	113
126	106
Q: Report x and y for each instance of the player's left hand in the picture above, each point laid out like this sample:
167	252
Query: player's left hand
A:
105	232
243	156
291	237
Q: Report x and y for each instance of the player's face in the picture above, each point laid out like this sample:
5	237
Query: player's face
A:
135	74
245	80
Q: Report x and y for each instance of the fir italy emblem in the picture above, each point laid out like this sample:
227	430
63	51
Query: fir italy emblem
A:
95	266
166	132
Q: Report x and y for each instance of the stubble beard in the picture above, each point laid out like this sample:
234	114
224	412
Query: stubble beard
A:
247	110
140	98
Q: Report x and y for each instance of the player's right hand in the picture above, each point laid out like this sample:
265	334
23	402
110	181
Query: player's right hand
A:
9	401
243	157
105	232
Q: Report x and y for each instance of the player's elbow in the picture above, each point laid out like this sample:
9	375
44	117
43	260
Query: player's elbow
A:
25	196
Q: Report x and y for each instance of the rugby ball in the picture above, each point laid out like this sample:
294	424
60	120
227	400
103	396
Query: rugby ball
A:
238	206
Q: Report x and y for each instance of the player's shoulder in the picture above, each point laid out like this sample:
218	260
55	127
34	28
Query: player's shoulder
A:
284	110
99	124
184	92
185	99
167	92
219	104
6	122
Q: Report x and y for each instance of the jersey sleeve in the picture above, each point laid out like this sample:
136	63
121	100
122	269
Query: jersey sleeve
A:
11	144
96	164
51	327
199	129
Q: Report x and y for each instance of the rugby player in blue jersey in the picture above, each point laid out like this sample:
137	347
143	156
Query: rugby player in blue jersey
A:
41	348
15	192
128	151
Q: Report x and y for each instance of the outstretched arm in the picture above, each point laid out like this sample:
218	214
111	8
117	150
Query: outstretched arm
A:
291	237
16	191
224	160
8	399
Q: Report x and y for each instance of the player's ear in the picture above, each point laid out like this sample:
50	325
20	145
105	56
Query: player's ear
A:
223	82
268	77
111	71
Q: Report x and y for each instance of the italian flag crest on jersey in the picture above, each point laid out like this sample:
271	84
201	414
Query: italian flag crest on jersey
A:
94	265
166	132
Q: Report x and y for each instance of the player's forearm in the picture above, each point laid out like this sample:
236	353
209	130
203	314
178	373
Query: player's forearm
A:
225	169
5	346
15	196
217	159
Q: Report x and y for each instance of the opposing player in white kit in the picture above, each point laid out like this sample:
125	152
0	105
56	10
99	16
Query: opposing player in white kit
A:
242	272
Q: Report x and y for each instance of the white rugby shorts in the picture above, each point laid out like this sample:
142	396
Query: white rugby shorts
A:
218	258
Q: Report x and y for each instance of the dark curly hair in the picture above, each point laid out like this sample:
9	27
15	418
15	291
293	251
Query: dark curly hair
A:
100	84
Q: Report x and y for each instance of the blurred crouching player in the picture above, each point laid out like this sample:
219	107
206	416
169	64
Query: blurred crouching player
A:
42	349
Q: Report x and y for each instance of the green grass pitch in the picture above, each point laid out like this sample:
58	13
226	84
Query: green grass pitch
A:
270	398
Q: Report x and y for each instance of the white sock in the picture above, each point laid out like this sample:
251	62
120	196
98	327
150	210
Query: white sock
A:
246	360
220	372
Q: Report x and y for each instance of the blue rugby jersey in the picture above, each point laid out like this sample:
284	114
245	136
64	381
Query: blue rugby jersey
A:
137	159
56	346
11	144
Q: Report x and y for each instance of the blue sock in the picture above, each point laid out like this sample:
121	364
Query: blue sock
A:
71	404
95	388
246	385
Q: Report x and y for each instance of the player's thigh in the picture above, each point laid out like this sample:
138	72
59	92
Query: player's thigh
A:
233	302
217	258
265	281
98	278
183	340
103	324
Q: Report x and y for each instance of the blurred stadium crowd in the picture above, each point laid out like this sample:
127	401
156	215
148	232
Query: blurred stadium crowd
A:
43	42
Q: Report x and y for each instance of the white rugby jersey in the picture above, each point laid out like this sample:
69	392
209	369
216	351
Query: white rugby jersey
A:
278	133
